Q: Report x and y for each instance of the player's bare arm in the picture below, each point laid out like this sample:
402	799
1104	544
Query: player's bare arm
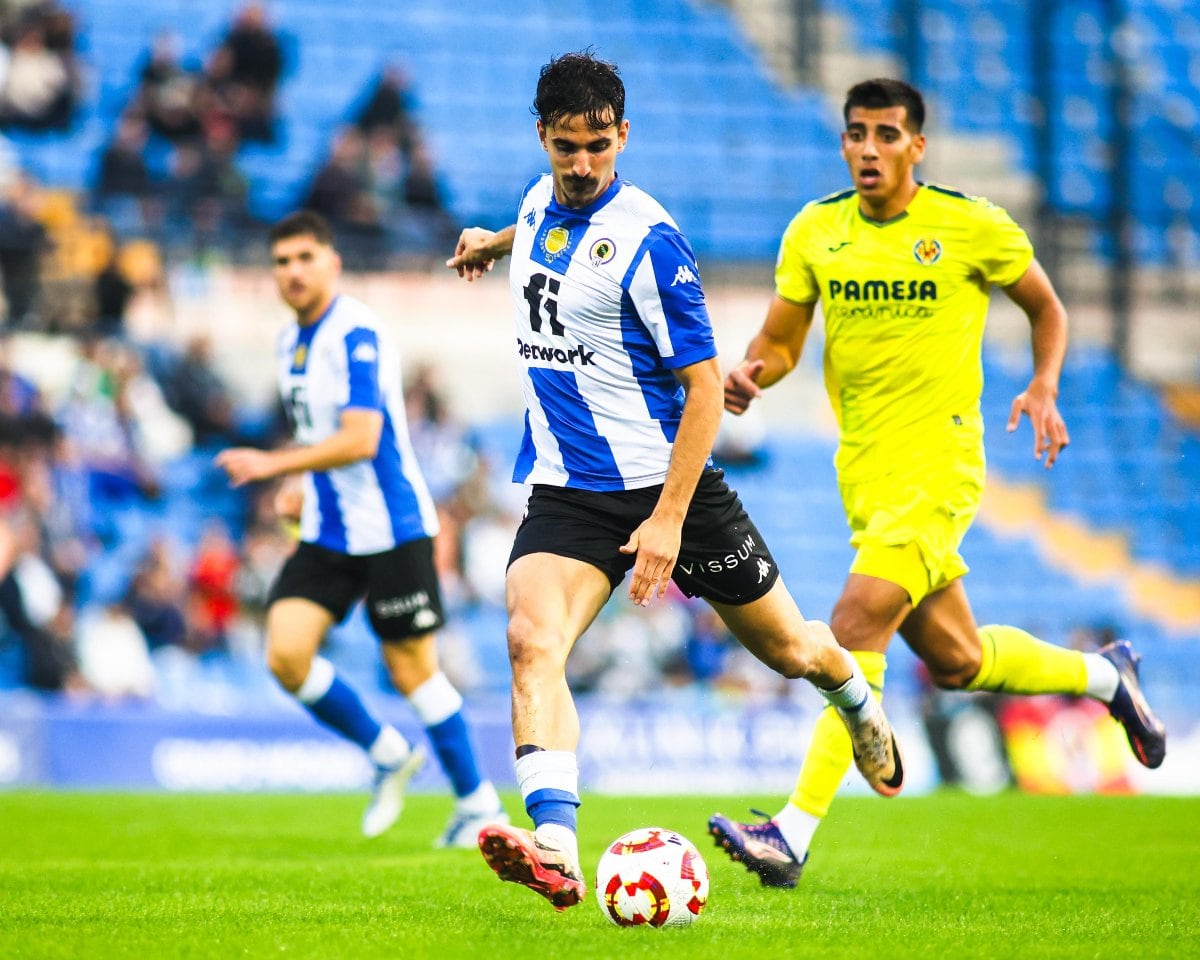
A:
357	438
772	354
656	541
479	249
1035	295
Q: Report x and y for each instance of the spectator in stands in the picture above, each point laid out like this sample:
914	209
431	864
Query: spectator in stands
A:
155	598
113	291
124	191
206	192
114	659
23	241
389	110
194	390
167	93
212	590
249	62
40	84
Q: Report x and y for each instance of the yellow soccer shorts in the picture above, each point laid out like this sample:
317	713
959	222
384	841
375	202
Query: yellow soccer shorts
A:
907	526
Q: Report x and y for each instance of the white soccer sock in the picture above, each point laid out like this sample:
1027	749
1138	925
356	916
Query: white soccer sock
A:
852	695
1102	678
560	837
435	700
797	828
390	748
481	801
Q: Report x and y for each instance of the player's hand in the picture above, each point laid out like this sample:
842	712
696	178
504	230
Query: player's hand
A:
656	543
245	465
472	256
1050	435
740	386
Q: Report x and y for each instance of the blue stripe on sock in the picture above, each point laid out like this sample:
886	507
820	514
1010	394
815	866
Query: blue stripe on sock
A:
552	806
341	710
452	743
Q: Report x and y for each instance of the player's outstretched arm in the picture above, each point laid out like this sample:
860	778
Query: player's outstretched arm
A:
1034	294
357	438
478	250
772	354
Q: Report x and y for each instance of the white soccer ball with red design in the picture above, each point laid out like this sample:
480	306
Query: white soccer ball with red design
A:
651	877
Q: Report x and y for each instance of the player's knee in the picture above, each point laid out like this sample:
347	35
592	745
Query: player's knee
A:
290	670
954	673
533	648
853	625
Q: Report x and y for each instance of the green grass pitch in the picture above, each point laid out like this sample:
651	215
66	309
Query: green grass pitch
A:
156	875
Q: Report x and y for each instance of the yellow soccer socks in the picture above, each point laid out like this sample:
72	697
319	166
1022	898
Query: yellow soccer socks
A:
1014	661
829	755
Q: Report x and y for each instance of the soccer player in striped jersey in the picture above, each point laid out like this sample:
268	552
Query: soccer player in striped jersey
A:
367	524
623	391
902	270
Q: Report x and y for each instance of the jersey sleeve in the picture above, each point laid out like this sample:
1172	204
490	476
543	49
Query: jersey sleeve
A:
1002	249
794	278
362	367
664	287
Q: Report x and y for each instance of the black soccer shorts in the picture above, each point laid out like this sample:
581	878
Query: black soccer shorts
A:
722	555
400	586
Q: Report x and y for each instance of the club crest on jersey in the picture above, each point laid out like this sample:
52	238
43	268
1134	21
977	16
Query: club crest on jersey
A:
602	252
927	250
555	241
299	356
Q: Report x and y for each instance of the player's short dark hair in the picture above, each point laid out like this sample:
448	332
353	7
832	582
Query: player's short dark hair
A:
580	84
883	92
302	223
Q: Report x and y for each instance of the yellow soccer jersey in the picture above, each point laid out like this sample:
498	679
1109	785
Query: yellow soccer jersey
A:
904	305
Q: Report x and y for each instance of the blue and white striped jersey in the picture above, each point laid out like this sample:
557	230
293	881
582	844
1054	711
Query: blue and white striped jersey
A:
345	360
608	303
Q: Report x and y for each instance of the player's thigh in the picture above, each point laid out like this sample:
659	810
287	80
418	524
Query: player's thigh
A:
551	601
942	632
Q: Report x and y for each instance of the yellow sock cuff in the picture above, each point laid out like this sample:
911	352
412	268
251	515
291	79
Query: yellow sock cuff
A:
1014	661
873	666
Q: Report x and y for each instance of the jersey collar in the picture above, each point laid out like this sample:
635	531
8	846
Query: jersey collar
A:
559	210
917	199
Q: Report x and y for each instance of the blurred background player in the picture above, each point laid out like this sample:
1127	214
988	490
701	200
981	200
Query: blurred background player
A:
367	524
902	270
623	393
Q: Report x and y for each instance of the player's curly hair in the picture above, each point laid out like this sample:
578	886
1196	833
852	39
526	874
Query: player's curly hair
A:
580	84
883	92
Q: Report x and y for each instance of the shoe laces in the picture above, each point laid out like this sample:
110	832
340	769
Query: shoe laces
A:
767	832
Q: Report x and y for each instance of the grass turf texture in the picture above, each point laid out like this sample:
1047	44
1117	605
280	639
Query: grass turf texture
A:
155	875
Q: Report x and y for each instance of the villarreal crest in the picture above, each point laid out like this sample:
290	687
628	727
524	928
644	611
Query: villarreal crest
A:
927	250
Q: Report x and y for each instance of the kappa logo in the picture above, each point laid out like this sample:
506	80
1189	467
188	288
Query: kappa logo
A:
764	569
683	275
364	353
927	251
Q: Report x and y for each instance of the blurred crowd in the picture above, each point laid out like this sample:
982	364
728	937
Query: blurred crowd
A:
39	77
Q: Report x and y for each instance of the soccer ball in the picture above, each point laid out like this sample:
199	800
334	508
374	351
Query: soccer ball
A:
651	876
